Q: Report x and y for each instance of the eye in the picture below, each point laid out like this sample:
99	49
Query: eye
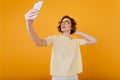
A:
66	22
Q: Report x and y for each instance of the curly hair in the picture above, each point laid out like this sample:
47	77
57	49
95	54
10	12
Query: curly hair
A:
73	24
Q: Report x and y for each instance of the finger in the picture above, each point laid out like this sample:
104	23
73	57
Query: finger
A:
31	15
27	16
32	12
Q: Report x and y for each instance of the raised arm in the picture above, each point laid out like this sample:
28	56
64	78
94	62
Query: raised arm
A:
29	18
90	39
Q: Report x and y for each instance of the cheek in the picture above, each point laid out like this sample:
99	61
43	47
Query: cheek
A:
69	26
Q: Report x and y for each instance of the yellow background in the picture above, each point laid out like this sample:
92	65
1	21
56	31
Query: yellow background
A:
21	59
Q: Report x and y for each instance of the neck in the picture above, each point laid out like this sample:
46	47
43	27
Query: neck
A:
66	34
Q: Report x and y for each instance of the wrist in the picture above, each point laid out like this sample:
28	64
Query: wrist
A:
29	22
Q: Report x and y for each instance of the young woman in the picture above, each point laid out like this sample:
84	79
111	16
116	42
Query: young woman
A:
66	60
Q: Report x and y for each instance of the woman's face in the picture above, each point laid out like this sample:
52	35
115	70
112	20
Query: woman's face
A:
66	25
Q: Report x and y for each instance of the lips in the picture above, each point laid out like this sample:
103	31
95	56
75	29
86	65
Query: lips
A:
62	26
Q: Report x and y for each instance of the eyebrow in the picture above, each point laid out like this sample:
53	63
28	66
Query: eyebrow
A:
66	21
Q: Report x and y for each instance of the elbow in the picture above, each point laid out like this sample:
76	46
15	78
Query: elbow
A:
41	43
94	41
38	44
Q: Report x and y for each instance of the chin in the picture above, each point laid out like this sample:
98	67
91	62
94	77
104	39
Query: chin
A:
63	30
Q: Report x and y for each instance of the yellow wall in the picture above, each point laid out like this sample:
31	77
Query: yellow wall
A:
21	59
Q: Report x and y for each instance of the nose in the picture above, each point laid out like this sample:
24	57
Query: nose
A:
63	23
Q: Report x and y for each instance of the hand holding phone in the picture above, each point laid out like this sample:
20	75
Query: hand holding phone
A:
38	5
33	13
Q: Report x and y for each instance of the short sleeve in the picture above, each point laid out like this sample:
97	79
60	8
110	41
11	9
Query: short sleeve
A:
50	39
82	41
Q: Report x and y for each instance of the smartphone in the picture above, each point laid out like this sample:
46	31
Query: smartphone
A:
38	5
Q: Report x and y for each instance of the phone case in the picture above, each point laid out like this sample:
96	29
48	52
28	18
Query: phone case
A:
38	5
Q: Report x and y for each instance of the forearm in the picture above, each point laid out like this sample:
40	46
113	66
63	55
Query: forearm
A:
86	36
32	33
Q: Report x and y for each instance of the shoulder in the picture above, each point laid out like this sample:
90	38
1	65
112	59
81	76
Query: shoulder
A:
75	39
53	36
79	39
